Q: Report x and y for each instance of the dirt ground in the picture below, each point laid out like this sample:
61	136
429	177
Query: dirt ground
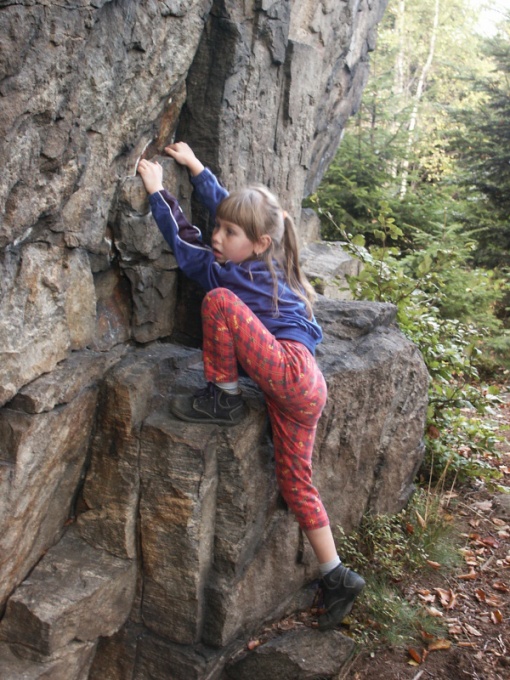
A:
474	602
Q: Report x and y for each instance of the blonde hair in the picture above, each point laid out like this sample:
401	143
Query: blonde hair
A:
258	212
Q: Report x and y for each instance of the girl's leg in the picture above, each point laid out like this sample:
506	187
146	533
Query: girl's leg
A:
293	449
293	444
285	371
295	392
323	545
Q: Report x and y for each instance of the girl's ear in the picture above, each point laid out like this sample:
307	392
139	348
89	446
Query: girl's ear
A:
262	244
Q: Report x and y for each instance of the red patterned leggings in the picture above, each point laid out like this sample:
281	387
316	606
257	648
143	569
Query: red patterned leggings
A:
292	383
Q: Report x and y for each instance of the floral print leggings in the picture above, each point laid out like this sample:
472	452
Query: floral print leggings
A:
292	383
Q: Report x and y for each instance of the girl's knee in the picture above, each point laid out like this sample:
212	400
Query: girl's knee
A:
218	296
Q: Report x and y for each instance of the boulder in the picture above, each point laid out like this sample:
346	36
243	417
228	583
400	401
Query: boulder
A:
175	540
302	654
43	457
47	309
71	664
327	265
74	593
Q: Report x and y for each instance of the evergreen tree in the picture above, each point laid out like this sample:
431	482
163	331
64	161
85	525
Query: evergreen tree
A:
484	153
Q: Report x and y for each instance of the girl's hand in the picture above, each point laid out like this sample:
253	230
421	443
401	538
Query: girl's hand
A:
183	154
152	176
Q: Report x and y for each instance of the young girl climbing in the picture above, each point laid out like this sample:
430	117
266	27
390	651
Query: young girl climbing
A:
257	312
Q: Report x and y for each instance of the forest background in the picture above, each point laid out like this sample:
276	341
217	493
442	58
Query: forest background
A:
420	192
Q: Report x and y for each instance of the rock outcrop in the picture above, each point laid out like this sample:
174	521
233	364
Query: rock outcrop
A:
134	545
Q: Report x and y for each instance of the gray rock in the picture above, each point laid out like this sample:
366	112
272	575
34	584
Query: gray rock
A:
326	265
303	654
502	504
108	519
42	456
74	593
73	663
63	384
262	93
47	309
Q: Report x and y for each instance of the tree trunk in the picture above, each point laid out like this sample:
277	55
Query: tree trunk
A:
417	98
398	75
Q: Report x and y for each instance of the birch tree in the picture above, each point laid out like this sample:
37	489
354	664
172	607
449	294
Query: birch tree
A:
420	88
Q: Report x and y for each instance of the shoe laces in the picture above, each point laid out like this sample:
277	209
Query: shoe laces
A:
209	391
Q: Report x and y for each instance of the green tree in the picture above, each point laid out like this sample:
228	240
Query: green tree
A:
484	154
407	157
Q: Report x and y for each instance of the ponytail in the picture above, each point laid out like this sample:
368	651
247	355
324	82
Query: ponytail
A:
292	270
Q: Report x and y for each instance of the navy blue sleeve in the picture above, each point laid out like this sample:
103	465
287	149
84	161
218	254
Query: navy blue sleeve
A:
195	259
187	232
208	190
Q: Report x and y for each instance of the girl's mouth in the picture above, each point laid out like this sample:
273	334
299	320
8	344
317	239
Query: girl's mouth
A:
217	253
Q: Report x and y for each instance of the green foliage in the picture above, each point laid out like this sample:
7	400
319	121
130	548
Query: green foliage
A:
481	141
395	620
394	547
389	550
420	286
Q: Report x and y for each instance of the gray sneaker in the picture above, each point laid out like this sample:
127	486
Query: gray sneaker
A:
209	405
339	588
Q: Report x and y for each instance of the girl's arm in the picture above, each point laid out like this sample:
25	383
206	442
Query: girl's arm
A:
209	191
194	258
185	240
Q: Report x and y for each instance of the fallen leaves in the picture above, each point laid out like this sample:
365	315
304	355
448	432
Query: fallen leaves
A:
472	630
439	644
502	587
471	576
474	601
432	611
496	617
434	565
447	598
433	645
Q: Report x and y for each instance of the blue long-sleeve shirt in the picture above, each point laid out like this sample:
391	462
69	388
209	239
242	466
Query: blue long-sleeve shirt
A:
251	280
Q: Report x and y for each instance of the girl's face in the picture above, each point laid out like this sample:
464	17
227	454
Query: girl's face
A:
229	242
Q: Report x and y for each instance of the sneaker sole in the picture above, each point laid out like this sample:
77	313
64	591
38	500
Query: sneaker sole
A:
204	421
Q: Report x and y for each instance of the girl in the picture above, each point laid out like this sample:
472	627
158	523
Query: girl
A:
258	313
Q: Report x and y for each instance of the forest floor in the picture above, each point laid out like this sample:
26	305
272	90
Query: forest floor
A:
473	601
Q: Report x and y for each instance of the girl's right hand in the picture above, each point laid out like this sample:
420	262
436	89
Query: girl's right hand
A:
152	176
183	154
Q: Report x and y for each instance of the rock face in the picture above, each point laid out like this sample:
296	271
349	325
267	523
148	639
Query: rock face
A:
134	545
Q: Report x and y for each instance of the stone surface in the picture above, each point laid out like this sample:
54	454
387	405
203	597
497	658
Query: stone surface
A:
86	87
327	264
303	654
110	497
502	503
47	307
74	593
71	664
42	457
371	430
63	384
287	77
197	508
89	289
